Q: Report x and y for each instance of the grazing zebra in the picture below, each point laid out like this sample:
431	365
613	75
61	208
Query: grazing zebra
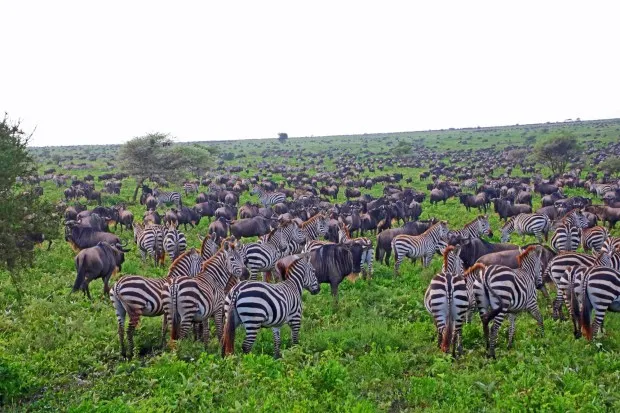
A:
268	198
167	198
601	189
136	296
150	241
414	246
566	238
174	242
190	187
611	244
315	227
475	229
191	300
592	239
258	304
600	287
447	300
262	256
522	224
209	245
503	291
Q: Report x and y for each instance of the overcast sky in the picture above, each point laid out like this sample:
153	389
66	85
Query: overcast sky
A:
88	72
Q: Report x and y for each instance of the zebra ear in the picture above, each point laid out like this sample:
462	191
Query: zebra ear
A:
226	246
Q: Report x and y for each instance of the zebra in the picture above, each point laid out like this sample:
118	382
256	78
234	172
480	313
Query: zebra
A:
502	291
414	246
282	241
209	245
167	198
174	242
522	224
447	300
257	304
344	237
315	227
567	237
611	244
268	198
136	296
475	229
150	240
592	239
601	189
191	300
600	287
190	187
470	184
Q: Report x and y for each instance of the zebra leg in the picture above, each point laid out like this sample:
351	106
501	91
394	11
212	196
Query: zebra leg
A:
120	315
511	328
250	337
295	324
397	265
426	260
459	341
133	323
497	323
599	316
205	331
219	323
557	305
439	336
164	330
535	312
276	342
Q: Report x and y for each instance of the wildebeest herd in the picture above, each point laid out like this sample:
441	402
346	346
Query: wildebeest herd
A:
296	235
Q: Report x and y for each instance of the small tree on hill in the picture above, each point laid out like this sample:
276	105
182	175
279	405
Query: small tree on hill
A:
282	137
557	152
610	166
22	213
196	159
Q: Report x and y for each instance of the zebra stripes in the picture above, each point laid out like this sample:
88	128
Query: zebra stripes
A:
475	229
190	187
174	242
611	244
258	304
522	224
592	239
414	246
566	238
208	246
268	198
150	241
136	296
600	287
447	300
191	300
167	198
502	292
315	227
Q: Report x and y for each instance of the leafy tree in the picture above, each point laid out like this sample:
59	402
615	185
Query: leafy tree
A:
610	166
196	159
557	152
517	155
149	156
282	137
22	212
402	148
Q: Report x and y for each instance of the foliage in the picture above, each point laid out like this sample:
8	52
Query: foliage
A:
22	212
610	166
282	137
517	155
195	158
557	151
402	148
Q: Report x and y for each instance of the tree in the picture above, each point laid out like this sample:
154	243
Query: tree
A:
22	213
282	137
402	148
517	155
196	158
557	151
610	166
148	156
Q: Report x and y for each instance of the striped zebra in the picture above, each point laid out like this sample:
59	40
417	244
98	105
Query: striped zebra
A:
189	187
601	189
447	300
150	241
209	245
415	246
600	287
315	227
503	292
136	296
174	242
592	239
167	198
475	229
262	256
531	224
611	244
268	198
258	304
470	184
192	300
566	238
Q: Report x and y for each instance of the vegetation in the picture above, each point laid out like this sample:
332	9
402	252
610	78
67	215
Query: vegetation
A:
611	166
282	137
375	351
557	152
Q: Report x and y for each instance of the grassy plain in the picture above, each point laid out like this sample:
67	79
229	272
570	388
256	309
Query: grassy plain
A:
375	351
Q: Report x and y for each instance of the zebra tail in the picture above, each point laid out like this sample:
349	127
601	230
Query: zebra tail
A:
448	330
586	326
230	326
175	318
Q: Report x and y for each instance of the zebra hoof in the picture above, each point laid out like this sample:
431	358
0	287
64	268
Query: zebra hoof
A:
577	335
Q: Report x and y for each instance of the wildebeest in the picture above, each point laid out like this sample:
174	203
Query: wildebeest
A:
333	262
122	216
151	217
251	227
473	249
186	216
93	220
384	239
219	227
477	201
80	237
505	210
605	214
100	261
226	211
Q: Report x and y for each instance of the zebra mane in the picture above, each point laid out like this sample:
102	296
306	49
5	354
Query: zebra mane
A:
311	220
176	262
285	270
525	253
211	259
446	254
477	266
345	229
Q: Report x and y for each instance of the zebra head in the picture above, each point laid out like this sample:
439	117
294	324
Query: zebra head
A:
233	259
580	219
309	280
322	225
507	229
443	229
529	261
484	227
293	232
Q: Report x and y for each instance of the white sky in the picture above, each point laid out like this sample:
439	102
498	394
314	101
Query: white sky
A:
89	72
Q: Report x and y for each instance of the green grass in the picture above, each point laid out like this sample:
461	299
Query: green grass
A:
375	351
